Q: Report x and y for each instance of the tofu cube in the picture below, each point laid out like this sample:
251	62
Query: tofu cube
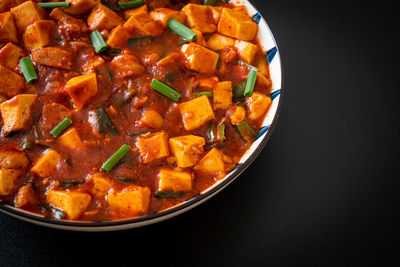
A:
199	58
38	34
10	55
126	66
163	15
132	11
237	24
222	95
118	37
143	23
102	18
257	104
53	114
53	57
72	203
8	181
10	159
26	14
174	181
153	146
200	40
187	149
208	82
101	185
216	11
237	114
8	31
46	165
196	112
200	17
218	42
132	201
82	89
246	51
16	112
80	7
212	163
91	62
71	139
25	196
152	119
11	84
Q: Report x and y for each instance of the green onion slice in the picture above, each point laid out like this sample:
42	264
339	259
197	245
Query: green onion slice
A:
238	91
28	70
182	30
245	131
61	127
116	157
201	93
164	89
102	118
131	4
136	40
126	179
251	81
55	4
98	41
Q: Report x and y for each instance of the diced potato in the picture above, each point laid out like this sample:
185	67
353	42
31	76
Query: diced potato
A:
11	83
57	14
53	57
118	37
209	82
237	24
152	119
262	81
71	139
153	146
174	181
47	164
170	59
212	163
25	196
143	23
72	203
163	15
92	61
10	159
53	114
82	89
258	104
199	58
79	7
218	42
222	95
200	17
16	112
246	51
196	112
101	185
10	55
38	34
8	31
132	11
238	114
200	40
126	66
187	149
8	181
102	18
132	201
216	11
26	14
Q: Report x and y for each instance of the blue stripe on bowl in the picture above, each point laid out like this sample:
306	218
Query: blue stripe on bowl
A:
257	17
271	54
262	131
275	94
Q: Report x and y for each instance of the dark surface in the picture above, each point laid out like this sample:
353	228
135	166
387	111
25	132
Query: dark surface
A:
324	190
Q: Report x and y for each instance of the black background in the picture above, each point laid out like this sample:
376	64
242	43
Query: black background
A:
323	192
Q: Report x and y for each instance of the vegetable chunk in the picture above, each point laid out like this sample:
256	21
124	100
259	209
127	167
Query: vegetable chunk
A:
53	57
101	185
102	18
38	34
8	181
196	112
218	42
143	23
10	55
152	119
82	89
26	14
8	32
246	51
237	24
11	84
187	149
212	163
199	58
79	7
11	159
222	95
174	181
200	17
71	139
118	37
132	201
153	146
16	112
72	203
257	104
47	164
237	115
126	66
163	15
25	196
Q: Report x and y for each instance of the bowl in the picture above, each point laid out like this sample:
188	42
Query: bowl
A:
268	43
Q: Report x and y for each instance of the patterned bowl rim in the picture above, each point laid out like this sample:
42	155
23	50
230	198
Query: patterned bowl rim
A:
264	135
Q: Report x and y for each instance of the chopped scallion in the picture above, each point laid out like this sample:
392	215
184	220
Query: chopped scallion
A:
201	93
134	41
251	81
102	118
182	30
125	179
238	91
98	41
55	4
116	157
61	127
131	4
28	70
245	131
165	90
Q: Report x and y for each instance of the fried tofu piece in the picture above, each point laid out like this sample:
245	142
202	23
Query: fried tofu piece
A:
16	112
152	119
222	95
8	31
174	181
8	181
126	66
153	146
257	105
218	42
196	112
71	139
10	159
11	84
46	165
53	57
80	7
212	163
237	114
216	11
199	58
82	89
38	34
132	11
163	15
102	18
10	55
246	51
53	114
187	149
26	14
208	82
72	203
132	201
118	37
92	62
237	24
25	196
143	23
101	185
200	17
